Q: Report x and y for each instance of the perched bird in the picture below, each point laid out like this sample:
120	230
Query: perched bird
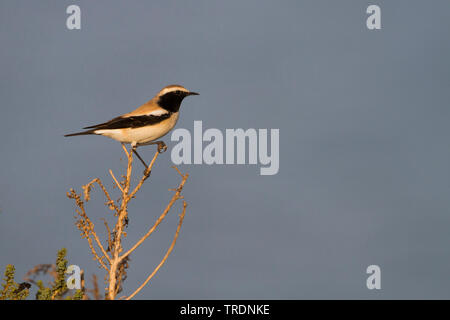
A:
147	123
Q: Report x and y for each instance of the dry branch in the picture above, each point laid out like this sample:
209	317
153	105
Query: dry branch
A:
113	261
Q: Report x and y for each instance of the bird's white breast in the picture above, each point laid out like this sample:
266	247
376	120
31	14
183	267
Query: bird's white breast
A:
142	134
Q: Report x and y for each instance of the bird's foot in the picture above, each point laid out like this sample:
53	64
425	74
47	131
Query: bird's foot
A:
161	147
147	173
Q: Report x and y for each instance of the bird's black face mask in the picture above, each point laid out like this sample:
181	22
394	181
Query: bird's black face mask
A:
171	101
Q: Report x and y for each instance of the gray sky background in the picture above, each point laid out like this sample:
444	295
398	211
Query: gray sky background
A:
364	142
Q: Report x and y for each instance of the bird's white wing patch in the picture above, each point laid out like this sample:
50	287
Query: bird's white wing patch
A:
157	112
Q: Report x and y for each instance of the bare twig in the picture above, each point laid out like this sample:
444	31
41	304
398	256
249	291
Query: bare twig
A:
165	256
115	180
109	233
43	269
95	290
86	227
87	196
175	197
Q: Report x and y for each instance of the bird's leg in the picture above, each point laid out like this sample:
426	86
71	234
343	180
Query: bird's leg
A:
139	157
161	145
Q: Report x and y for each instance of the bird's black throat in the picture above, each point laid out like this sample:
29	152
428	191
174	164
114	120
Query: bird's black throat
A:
171	101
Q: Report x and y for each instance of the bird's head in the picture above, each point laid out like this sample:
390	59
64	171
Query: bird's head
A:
170	97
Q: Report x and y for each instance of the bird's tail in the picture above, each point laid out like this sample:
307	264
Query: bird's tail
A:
80	133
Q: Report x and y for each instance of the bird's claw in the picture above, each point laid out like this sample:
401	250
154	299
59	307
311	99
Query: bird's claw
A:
162	147
147	173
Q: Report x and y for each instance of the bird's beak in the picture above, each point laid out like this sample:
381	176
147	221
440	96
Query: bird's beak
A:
191	93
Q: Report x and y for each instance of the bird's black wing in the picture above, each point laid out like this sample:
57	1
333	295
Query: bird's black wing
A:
130	122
